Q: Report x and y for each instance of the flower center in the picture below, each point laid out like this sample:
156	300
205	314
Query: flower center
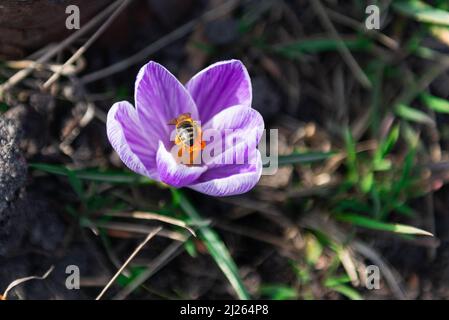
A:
188	139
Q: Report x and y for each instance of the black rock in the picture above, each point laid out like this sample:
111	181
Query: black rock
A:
46	229
33	128
13	172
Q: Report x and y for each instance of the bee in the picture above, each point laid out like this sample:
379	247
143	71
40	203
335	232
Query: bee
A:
188	136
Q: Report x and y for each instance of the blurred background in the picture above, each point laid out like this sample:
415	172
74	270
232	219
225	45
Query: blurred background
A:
359	207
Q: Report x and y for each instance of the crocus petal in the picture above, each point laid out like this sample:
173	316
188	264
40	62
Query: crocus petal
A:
230	180
219	86
129	141
174	174
160	97
241	128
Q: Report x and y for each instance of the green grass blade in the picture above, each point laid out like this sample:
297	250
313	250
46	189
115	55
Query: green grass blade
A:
347	291
422	12
77	185
278	292
367	182
336	281
436	104
406	178
297	158
311	46
380	163
93	174
215	246
387	145
383	226
412	114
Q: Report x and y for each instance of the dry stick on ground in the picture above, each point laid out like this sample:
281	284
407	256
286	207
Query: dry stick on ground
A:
386	270
22	74
435	155
88	116
357	25
154	216
22	280
292	232
429	221
88	43
160	43
135	252
285	248
138	229
161	260
409	94
344	51
268	210
406	97
68	70
319	222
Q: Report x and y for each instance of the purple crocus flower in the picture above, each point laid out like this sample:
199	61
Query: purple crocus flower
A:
218	98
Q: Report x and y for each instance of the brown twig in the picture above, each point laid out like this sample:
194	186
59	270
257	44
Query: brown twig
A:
154	216
88	43
352	23
22	74
344	51
135	252
391	277
138	229
159	44
22	280
161	260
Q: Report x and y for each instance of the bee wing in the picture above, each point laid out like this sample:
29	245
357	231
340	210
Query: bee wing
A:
181	117
173	121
